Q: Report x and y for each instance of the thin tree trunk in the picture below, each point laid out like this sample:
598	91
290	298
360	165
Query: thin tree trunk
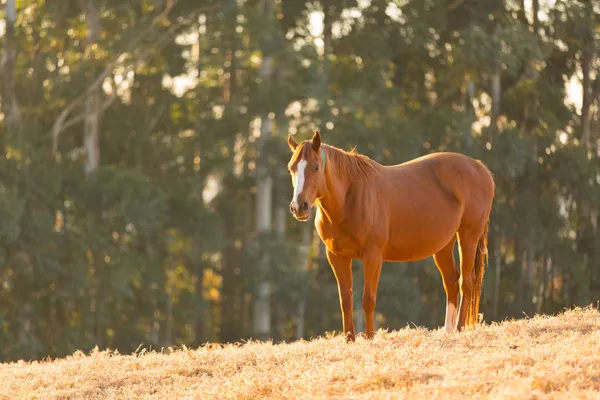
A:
230	297
230	10
281	215
262	307
535	8
496	97
496	85
528	274
200	306
93	293
26	316
153	295
326	43
541	287
93	101
527	128
496	93
305	263
233	321
550	274
531	268
498	265
168	341
12	118
469	96
585	229
586	62
10	107
280	228
244	298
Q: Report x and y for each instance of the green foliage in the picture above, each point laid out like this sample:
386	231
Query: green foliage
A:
159	246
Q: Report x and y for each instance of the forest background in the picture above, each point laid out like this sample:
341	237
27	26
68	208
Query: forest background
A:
143	184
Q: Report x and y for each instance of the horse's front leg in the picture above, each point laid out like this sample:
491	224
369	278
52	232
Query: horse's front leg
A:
371	271
342	268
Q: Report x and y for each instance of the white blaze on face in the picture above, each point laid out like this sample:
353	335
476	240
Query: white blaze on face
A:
299	181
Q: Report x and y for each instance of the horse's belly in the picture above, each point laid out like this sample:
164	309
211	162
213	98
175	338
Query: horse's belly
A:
407	252
416	237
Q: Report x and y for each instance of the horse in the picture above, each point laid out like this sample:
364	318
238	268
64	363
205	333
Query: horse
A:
402	212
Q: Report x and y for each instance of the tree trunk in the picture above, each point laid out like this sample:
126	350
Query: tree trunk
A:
305	263
496	94
262	308
26	316
233	302
280	228
200	306
230	296
528	274
152	287
168	340
528	125
586	104
91	130
230	9
544	281
10	107
535	8
498	265
585	232
496	85
469	96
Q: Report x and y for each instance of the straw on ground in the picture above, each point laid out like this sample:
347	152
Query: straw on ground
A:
543	357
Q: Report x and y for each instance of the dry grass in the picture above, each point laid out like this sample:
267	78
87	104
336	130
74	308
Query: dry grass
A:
544	357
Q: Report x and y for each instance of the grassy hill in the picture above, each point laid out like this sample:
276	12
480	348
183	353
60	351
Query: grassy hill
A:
543	357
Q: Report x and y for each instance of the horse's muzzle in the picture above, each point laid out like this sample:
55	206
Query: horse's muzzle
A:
300	211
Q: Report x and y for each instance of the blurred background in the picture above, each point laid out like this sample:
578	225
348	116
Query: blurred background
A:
143	184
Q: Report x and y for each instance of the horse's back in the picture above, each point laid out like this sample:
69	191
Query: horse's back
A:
467	179
430	198
456	172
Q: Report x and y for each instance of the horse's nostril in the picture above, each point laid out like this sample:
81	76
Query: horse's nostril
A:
304	206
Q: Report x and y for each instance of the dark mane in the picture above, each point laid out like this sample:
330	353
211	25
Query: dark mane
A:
350	164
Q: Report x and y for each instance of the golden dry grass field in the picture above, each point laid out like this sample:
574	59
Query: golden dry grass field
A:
544	357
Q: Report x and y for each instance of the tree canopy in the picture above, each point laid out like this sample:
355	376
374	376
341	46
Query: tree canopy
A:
143	183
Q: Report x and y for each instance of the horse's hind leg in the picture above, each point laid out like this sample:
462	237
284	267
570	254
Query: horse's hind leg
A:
468	243
444	259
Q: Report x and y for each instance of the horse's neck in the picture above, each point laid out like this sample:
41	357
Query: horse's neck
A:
333	203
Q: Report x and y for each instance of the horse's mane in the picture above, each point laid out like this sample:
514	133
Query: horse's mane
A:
351	165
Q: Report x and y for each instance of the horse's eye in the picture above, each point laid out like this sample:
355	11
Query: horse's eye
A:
317	168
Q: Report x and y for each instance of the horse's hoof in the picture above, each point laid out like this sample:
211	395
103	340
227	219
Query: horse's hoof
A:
350	337
365	336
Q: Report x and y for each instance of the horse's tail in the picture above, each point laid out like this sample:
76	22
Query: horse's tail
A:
481	260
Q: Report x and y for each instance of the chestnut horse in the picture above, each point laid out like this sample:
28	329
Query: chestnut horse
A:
404	212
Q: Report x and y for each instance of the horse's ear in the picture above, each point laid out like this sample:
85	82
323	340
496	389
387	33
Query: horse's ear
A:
292	143
316	141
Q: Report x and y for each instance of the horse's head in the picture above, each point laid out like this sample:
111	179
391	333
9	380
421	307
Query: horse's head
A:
308	174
